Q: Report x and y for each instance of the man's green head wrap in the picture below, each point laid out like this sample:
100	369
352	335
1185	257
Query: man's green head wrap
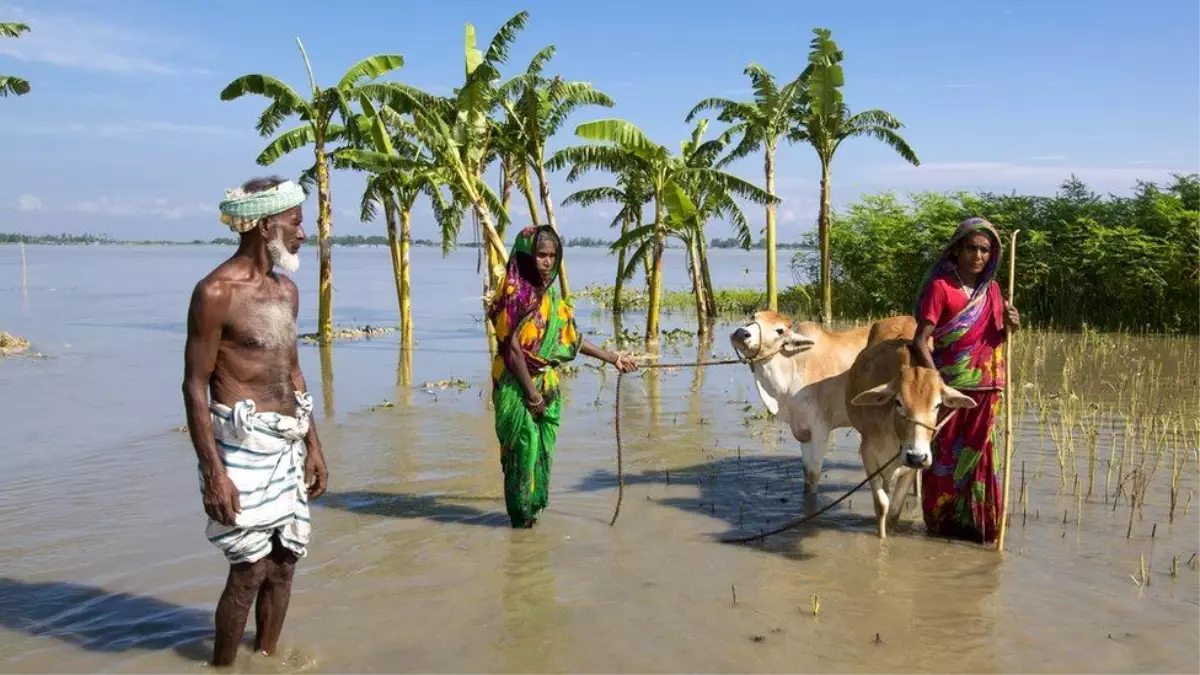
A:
241	210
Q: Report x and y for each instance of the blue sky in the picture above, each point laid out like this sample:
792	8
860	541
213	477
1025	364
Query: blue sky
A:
124	132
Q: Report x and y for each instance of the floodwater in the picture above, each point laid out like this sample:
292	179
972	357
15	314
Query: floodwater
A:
413	567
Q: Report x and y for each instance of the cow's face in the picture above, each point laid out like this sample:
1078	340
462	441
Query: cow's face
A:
768	334
913	400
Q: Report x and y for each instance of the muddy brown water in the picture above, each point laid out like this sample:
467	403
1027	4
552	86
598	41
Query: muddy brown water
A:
413	567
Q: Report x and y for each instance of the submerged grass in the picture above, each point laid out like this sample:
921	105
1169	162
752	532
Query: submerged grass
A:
1116	420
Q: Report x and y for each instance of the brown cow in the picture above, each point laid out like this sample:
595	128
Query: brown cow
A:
893	403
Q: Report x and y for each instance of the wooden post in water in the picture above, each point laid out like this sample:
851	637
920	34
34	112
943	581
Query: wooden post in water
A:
1008	398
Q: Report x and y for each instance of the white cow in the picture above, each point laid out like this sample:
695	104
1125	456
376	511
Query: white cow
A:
801	375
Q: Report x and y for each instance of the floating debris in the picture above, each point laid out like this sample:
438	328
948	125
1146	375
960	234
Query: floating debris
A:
386	403
11	345
457	383
345	334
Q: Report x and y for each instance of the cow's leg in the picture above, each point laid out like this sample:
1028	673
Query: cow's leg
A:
870	458
814	456
900	491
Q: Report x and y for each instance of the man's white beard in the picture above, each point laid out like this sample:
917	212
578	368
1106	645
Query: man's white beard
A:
280	256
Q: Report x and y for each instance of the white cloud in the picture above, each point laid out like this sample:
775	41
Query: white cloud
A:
140	207
29	202
87	44
1048	158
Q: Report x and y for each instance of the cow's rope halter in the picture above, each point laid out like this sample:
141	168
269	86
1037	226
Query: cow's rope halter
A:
935	429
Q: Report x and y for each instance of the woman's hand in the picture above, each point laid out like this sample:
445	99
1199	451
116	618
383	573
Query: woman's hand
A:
536	403
624	363
1012	318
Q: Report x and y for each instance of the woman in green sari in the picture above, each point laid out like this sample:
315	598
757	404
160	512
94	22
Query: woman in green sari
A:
536	334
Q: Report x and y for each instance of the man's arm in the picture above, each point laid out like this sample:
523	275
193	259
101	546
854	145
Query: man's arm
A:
206	316
316	473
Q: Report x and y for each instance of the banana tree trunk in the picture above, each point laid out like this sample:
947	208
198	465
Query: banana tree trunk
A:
325	243
647	264
656	269
530	200
389	214
496	256
406	280
548	204
618	305
506	186
826	253
710	296
697	289
772	290
326	352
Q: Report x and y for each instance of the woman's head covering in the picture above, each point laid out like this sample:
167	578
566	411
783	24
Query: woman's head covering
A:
523	284
947	262
524	253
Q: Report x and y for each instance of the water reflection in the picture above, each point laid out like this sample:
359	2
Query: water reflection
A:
404	376
534	626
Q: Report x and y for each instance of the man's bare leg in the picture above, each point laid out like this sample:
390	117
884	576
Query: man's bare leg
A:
273	598
234	609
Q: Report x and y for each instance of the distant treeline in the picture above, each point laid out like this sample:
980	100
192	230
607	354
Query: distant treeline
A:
338	240
1111	263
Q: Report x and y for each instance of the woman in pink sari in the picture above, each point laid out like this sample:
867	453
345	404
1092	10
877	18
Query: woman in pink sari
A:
960	307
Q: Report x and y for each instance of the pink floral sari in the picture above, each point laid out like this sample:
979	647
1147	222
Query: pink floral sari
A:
962	492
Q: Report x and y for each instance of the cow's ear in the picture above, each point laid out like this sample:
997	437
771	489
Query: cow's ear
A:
881	395
795	342
953	398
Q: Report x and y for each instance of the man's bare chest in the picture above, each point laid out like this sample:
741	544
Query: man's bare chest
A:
261	321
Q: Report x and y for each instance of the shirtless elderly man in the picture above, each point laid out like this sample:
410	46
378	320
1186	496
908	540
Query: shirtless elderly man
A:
260	460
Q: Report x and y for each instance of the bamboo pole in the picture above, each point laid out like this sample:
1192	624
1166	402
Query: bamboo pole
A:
1008	398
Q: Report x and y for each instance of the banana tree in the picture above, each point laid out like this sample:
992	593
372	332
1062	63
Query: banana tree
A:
11	84
761	123
823	120
318	129
713	200
622	146
542	106
631	195
401	172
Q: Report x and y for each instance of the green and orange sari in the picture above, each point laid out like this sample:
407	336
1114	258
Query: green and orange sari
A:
537	316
